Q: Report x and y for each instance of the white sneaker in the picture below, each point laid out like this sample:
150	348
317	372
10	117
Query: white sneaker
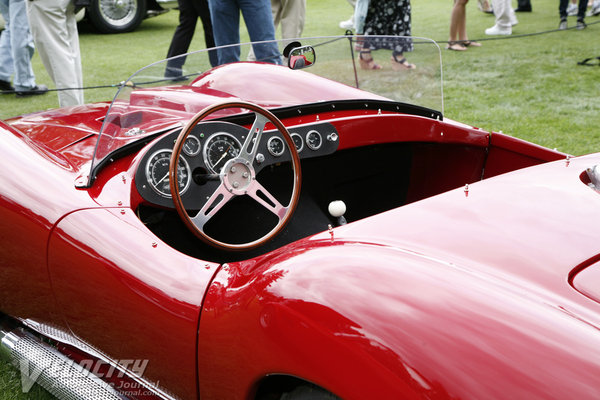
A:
595	9
496	30
572	9
348	24
563	24
513	20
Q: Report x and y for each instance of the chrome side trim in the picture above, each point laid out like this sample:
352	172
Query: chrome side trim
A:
42	364
68	338
7	344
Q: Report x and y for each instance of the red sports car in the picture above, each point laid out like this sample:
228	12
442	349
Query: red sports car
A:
281	232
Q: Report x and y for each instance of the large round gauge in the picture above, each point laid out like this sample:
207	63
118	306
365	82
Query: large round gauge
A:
298	142
220	148
192	146
275	146
157	173
314	140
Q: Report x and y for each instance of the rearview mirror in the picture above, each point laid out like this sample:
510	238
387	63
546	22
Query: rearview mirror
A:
301	57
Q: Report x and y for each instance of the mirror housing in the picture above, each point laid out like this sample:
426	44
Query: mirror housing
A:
300	57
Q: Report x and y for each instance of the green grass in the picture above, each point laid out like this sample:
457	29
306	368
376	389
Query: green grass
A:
529	87
10	386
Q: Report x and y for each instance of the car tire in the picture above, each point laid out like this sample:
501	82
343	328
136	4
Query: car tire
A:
116	16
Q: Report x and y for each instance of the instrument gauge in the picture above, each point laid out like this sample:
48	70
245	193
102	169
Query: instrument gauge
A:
157	173
220	148
275	146
314	140
192	146
298	142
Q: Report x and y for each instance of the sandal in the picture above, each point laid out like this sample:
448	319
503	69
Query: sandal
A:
367	63
456	46
401	64
470	43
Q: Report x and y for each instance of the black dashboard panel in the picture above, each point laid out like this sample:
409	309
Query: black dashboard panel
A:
209	146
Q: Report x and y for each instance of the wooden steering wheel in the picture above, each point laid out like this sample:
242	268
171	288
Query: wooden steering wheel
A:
237	178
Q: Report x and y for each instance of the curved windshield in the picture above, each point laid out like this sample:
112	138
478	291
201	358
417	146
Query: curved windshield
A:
167	94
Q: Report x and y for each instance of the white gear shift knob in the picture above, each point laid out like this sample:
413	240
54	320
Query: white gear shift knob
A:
337	208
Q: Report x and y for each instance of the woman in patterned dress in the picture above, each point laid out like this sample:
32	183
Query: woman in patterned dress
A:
388	18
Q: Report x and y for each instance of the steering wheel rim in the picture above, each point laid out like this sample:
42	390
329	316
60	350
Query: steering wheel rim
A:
226	189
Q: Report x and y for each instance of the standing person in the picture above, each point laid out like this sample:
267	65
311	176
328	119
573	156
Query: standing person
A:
225	17
505	18
16	50
361	8
54	30
291	14
189	12
459	41
562	11
387	18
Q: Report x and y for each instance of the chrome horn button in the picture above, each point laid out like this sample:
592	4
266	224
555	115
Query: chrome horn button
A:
237	175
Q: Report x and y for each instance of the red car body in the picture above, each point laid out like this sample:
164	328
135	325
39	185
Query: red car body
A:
479	283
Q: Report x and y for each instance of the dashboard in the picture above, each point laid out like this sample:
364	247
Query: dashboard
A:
209	146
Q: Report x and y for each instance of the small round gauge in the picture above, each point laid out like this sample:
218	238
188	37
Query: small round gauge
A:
298	142
192	146
220	148
276	146
314	140
157	173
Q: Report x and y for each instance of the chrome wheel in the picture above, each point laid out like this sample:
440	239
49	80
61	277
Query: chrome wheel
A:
116	16
118	12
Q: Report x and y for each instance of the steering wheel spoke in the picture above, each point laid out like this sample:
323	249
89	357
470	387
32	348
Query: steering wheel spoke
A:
268	201
218	199
250	147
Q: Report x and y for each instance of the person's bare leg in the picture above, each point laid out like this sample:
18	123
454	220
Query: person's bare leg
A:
457	26
462	21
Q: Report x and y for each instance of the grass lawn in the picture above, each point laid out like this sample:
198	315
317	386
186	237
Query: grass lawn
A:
528	86
10	386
